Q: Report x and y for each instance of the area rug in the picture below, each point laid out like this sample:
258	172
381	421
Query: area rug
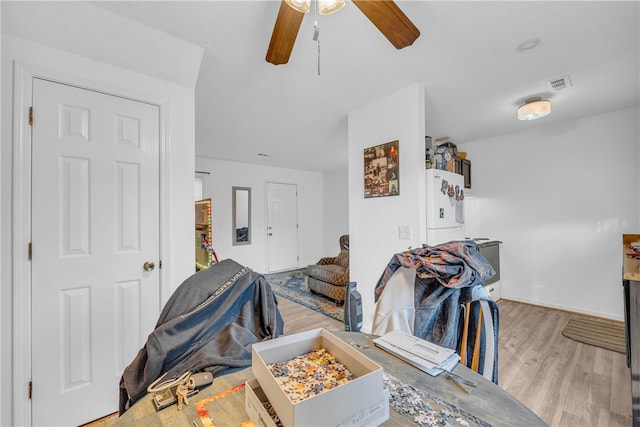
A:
292	285
600	333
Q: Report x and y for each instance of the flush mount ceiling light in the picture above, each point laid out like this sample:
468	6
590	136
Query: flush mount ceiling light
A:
528	45
534	108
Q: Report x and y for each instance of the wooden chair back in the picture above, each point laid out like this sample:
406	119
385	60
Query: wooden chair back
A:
475	327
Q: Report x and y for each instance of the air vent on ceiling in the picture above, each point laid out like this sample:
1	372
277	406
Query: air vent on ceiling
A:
559	83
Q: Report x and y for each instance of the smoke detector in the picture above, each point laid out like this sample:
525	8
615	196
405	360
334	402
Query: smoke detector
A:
559	83
528	45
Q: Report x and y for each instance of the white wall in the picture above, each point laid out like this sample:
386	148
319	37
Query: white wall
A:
560	197
180	154
4	351
336	209
224	174
83	29
373	222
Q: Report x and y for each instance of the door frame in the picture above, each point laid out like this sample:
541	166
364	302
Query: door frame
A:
266	220
23	76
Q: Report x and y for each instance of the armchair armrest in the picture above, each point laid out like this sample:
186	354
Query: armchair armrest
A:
328	260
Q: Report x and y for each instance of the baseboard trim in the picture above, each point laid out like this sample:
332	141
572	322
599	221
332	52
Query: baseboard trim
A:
564	310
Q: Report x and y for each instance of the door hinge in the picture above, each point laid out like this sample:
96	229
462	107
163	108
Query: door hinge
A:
30	252
160	264
30	389
31	115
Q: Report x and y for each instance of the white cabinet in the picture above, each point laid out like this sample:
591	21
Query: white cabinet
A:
494	290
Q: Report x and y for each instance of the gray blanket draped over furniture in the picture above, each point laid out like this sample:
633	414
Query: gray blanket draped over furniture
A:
447	276
208	323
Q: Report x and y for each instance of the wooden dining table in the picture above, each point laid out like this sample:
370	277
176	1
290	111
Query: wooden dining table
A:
222	403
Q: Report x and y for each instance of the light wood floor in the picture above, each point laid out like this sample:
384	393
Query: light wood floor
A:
564	382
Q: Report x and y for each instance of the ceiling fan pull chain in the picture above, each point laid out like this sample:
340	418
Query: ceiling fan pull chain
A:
316	37
316	33
318	56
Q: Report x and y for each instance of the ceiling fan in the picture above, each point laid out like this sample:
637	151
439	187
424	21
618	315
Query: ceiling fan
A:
384	14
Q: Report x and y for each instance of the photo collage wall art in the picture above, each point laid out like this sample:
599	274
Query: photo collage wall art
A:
382	170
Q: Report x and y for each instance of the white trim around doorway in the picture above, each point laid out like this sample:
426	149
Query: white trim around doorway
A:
21	214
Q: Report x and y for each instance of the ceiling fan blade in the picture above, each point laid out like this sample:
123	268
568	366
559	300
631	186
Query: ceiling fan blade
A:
284	34
390	20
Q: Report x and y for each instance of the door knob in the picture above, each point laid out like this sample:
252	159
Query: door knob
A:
149	266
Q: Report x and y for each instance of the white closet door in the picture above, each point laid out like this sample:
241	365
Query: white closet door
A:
95	224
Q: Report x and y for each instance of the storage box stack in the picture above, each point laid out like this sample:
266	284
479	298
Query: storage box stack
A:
448	158
446	155
359	401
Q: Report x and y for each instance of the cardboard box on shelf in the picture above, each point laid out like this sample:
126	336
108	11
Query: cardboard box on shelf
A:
360	402
254	404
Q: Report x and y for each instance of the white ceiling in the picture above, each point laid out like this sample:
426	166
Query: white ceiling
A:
465	57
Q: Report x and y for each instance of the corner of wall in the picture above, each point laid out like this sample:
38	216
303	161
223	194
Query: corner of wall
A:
336	209
3	351
374	222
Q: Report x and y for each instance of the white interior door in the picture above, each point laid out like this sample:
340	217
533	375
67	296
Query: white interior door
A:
282	226
95	223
